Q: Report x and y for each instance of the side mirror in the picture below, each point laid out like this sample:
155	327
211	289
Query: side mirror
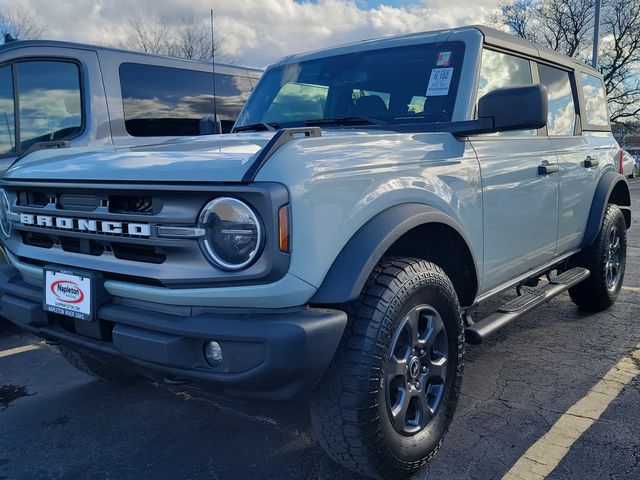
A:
515	108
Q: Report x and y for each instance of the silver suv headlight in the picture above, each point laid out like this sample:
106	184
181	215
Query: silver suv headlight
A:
5	209
234	233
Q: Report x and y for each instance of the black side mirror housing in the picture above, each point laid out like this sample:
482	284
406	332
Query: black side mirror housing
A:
507	109
515	108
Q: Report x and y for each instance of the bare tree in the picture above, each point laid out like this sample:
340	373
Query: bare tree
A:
567	27
149	36
186	39
19	22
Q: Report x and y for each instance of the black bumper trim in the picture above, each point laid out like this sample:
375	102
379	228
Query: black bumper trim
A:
276	355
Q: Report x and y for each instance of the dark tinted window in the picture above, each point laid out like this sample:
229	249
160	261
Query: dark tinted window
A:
7	113
595	101
50	101
562	110
395	85
164	101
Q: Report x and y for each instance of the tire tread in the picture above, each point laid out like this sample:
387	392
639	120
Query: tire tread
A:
342	405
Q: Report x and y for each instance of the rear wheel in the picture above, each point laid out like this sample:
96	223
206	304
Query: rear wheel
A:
386	402
606	260
95	368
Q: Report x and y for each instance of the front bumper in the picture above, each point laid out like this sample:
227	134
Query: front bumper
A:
276	355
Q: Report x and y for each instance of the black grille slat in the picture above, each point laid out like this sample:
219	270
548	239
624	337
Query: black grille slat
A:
142	205
81	203
33	199
37	240
82	246
138	253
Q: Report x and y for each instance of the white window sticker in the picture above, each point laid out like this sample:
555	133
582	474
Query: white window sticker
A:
439	82
444	59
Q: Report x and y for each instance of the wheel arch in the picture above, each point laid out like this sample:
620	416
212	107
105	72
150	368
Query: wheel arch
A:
407	230
612	188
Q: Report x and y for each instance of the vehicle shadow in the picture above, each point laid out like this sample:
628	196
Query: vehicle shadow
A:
146	431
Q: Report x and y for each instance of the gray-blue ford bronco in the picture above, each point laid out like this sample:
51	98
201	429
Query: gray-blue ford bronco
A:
335	244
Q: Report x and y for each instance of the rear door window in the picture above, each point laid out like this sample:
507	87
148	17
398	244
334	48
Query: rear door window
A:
562	109
595	101
165	101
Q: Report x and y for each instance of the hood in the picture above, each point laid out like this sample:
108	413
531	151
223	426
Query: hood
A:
223	158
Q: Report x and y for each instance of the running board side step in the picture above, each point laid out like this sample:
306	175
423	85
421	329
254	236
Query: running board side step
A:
514	309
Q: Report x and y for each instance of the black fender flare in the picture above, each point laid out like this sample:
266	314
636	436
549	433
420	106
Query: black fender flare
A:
608	182
355	262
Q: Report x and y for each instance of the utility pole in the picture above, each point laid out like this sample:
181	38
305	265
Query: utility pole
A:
596	35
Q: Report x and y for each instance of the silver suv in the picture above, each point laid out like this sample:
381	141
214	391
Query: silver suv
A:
335	245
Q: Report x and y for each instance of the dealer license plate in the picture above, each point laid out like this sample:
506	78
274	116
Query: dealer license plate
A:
68	293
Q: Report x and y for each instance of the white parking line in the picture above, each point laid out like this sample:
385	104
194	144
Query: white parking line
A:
545	455
25	348
631	289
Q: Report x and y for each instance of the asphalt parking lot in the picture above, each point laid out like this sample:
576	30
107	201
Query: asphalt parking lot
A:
56	423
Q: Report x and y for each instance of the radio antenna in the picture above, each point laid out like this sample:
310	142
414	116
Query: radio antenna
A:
213	63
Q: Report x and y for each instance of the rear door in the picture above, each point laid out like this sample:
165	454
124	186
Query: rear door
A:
584	155
576	175
520	201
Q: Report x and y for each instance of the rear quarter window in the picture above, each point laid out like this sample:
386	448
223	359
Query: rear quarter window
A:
595	101
163	101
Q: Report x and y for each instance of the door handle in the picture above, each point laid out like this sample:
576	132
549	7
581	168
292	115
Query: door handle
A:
590	162
546	169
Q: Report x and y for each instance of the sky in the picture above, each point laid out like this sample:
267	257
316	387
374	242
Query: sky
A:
258	32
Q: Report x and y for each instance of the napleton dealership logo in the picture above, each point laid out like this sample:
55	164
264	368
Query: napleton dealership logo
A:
86	225
67	291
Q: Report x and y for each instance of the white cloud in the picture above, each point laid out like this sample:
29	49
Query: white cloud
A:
257	32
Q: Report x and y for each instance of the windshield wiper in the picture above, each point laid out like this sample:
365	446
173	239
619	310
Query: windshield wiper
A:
347	121
271	127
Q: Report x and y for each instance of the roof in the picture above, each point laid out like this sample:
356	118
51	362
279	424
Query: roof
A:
509	41
492	36
15	44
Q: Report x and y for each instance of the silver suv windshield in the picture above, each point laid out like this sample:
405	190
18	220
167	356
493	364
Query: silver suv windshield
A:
399	85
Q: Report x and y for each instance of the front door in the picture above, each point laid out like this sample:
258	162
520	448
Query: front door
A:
520	203
519	184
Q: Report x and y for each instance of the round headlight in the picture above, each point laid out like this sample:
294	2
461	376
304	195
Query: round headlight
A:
5	224
233	237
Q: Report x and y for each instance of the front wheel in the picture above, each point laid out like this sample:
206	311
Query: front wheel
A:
388	398
606	260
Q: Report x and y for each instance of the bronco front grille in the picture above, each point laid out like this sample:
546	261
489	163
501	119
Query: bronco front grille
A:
115	230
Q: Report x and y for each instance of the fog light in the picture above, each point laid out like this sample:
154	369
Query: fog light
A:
213	353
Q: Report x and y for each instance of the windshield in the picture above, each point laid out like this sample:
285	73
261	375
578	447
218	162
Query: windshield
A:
415	83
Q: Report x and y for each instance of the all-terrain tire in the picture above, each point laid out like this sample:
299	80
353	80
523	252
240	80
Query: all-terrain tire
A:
95	368
349	409
597	293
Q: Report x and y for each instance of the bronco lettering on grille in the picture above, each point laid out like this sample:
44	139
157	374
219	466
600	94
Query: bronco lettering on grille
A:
86	225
